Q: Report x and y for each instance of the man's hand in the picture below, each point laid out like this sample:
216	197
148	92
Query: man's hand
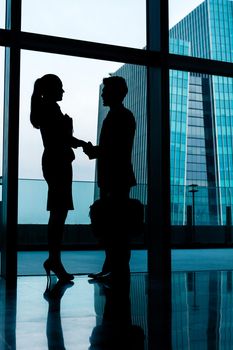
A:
90	150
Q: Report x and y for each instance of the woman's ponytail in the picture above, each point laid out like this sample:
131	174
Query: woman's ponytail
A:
42	87
36	99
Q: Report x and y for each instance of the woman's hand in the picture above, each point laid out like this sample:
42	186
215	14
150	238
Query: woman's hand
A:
78	143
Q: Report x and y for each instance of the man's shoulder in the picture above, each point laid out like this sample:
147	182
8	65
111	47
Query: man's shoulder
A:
127	111
128	116
119	116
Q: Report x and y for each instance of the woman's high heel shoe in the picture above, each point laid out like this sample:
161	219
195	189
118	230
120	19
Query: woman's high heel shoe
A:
59	271
55	293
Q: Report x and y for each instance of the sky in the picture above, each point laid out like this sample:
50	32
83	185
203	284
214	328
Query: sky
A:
123	23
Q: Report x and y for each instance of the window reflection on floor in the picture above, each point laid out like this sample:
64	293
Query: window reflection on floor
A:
81	315
202	310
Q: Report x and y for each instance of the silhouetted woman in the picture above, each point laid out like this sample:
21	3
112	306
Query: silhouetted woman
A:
57	136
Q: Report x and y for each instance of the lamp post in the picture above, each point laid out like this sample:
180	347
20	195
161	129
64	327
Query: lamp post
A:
193	190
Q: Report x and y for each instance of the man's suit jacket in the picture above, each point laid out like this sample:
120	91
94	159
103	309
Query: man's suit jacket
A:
114	166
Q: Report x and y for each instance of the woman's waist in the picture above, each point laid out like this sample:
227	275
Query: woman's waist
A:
58	153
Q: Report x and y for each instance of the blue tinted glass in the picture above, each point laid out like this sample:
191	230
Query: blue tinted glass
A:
205	25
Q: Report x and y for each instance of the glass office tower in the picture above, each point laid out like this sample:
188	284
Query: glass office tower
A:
201	118
209	153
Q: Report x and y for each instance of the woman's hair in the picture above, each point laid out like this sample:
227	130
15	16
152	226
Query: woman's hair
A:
42	86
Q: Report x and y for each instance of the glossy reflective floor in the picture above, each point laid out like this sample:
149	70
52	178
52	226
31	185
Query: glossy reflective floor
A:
78	316
87	316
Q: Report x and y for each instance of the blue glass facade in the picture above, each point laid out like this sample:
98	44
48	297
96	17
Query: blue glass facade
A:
201	117
208	30
179	82
221	25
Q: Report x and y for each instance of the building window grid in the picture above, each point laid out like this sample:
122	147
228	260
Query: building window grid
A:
224	129
177	152
199	176
199	10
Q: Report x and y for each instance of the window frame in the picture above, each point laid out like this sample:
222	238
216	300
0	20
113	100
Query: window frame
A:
159	62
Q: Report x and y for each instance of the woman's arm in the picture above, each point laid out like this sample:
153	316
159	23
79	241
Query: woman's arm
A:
75	143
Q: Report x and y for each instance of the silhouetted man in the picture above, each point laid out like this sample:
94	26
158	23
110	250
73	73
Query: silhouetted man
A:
115	174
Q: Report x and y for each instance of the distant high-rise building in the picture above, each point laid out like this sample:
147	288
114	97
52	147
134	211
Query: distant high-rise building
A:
201	117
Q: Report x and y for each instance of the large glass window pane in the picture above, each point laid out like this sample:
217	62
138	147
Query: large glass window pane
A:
204	27
82	79
116	22
2	13
201	149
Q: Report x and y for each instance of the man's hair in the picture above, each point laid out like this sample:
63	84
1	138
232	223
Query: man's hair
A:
117	84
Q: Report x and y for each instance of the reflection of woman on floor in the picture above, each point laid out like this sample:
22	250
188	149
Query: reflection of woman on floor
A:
54	327
56	132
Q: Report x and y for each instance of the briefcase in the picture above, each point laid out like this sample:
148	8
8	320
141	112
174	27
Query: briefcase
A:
105	215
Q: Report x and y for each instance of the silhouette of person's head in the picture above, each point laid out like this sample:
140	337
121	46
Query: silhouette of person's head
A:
48	88
114	90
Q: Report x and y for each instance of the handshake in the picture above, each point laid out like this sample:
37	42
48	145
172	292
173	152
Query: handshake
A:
88	148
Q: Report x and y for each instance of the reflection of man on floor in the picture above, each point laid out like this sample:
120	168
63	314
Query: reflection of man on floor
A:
116	330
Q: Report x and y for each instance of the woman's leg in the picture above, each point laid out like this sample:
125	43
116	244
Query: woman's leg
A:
55	233
56	224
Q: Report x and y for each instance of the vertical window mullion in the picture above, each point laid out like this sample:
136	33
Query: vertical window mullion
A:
159	253
10	145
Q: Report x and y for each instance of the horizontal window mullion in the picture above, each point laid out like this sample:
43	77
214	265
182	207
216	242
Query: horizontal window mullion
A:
79	48
200	65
